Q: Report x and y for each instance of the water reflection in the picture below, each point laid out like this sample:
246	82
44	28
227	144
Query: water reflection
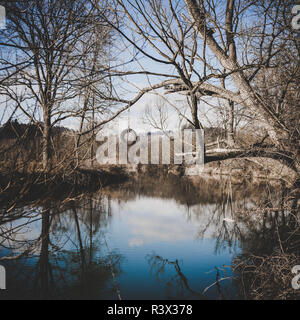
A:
177	285
149	238
56	253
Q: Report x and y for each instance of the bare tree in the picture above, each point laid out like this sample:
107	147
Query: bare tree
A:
156	114
48	72
209	48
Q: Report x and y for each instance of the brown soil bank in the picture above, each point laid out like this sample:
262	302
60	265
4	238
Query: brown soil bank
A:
254	168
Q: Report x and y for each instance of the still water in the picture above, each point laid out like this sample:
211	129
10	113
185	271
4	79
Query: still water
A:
146	239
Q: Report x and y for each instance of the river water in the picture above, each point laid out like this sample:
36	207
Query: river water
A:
150	238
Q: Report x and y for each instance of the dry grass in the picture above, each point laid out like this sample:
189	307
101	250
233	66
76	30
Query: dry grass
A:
268	277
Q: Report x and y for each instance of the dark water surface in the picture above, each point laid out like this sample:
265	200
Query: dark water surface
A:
147	239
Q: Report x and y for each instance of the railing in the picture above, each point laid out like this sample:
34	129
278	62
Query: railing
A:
216	144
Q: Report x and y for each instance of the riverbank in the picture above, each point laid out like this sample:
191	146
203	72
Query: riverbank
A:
252	169
32	185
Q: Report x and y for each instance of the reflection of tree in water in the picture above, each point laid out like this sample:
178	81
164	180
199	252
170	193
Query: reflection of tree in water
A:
238	220
184	190
270	251
264	226
270	246
66	260
268	232
177	285
216	204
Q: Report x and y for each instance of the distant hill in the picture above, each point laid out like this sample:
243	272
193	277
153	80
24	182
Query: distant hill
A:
14	129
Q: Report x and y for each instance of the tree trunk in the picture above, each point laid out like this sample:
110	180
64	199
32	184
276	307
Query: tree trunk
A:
230	123
264	115
194	109
229	119
47	140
